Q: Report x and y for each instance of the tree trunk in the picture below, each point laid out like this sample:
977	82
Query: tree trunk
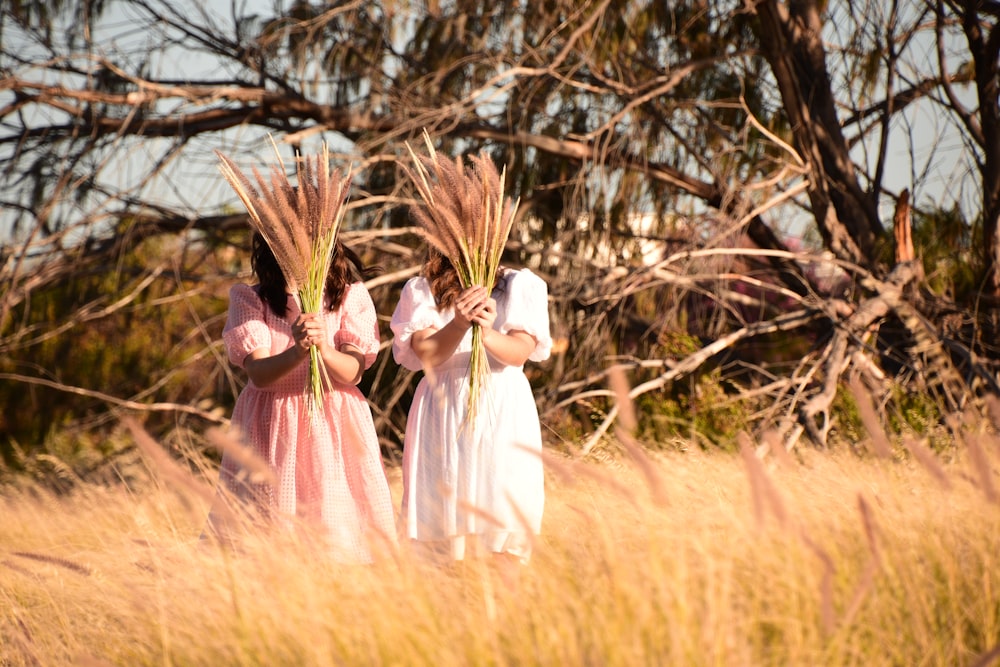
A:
985	49
791	37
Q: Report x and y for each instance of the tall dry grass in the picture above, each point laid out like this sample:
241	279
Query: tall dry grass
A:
731	560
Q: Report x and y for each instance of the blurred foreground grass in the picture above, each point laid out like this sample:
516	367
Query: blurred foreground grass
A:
691	559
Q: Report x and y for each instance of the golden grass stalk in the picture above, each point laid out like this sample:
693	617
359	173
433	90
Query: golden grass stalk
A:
627	424
465	216
879	442
300	224
763	489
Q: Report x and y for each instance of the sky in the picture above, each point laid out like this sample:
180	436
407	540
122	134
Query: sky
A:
196	185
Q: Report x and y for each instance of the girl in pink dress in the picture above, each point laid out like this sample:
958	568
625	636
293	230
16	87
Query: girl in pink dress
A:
476	484
326	466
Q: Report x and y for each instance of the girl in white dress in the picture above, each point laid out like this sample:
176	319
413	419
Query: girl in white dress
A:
480	479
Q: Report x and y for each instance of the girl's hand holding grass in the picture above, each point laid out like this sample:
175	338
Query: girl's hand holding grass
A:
308	331
486	315
344	365
469	305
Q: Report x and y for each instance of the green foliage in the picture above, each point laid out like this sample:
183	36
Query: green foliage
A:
848	427
156	339
948	246
704	411
907	414
915	412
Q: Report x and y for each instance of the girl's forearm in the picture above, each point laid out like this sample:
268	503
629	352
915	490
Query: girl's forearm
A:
265	369
435	346
346	365
511	349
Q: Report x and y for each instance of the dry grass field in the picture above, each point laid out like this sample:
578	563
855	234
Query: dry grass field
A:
687	559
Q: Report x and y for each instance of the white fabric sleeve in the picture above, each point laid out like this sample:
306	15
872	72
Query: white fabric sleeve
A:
528	310
415	311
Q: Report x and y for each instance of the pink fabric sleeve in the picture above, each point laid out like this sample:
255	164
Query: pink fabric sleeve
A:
415	311
528	310
359	323
245	329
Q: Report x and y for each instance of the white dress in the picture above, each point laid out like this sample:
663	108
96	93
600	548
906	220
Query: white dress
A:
483	479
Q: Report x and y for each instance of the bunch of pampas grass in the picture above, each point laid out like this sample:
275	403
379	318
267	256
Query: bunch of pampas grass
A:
465	216
300	224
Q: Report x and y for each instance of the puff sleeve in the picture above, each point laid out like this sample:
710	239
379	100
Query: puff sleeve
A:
415	311
359	323
528	310
245	329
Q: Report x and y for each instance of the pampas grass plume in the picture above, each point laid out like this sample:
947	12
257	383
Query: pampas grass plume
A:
464	215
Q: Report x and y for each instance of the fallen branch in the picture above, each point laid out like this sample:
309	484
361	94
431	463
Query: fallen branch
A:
210	416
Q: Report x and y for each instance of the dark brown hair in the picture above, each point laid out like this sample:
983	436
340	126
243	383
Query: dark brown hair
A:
345	268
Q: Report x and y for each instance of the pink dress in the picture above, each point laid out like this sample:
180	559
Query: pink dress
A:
327	467
483	482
